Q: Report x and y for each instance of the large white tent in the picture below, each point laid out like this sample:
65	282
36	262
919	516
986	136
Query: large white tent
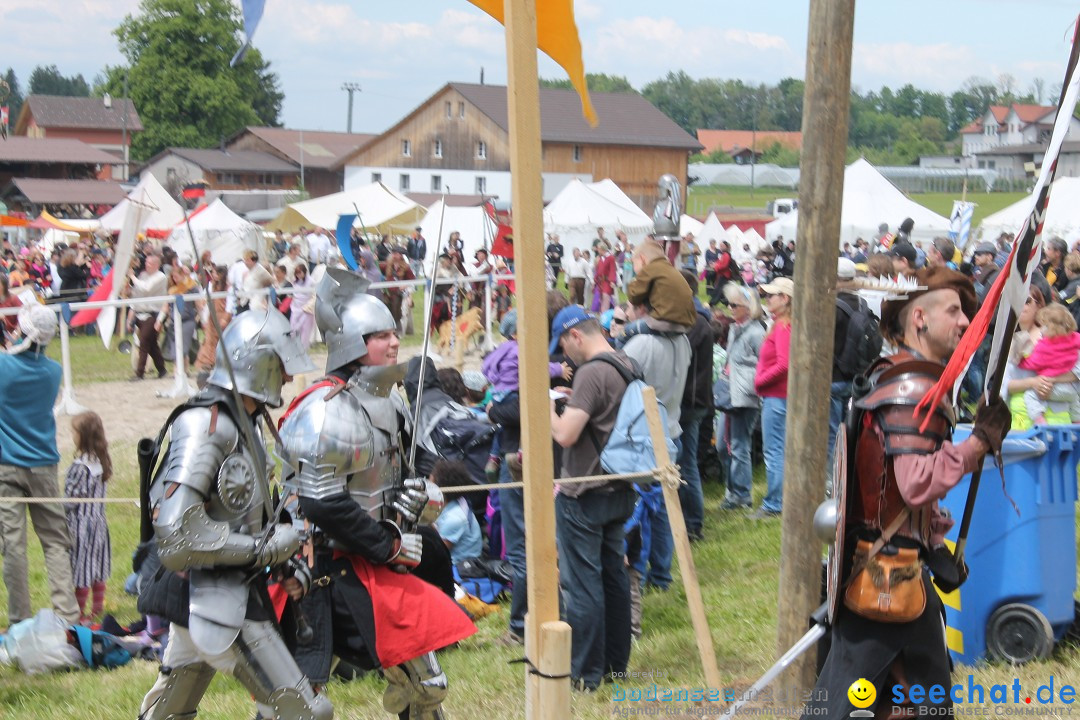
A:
221	231
689	224
475	225
158	210
581	208
869	200
1062	214
380	210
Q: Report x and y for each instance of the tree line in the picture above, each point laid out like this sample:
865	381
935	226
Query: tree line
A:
887	126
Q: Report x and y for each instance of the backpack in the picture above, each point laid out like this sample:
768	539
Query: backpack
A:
862	343
629	448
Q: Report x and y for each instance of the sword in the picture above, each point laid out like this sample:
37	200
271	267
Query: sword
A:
807	641
427	340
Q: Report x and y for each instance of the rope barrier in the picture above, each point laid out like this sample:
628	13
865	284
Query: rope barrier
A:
667	475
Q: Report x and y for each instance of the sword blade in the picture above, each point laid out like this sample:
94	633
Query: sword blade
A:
807	641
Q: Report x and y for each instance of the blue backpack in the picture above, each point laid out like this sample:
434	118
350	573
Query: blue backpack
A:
629	448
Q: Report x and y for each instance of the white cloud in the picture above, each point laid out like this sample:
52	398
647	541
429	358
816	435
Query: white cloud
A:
646	48
942	66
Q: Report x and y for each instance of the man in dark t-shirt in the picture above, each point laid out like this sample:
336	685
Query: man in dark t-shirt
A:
554	253
589	517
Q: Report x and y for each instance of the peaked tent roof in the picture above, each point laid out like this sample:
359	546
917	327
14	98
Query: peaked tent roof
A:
582	206
689	224
380	208
221	231
869	200
161	212
1062	214
89	113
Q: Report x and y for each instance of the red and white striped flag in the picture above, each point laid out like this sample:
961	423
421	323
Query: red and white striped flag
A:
1009	292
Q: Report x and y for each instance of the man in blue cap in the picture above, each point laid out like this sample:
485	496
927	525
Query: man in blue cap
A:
589	517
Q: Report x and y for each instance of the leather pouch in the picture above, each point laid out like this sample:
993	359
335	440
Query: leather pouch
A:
886	586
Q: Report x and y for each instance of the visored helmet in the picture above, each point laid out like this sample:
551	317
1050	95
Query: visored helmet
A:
260	347
346	314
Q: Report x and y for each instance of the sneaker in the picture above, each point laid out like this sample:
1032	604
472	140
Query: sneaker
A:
162	373
734	505
579	685
763	514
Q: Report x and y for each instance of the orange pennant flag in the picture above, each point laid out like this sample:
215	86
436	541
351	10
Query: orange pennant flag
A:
557	36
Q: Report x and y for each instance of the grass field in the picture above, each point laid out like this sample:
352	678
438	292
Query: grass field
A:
738	566
701	199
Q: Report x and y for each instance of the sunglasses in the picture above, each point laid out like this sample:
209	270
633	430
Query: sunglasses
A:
617	321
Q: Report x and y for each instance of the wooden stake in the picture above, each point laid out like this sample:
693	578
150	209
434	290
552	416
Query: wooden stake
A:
555	638
682	546
523	98
821	189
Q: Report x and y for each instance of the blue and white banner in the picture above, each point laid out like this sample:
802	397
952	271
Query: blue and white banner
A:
960	222
253	11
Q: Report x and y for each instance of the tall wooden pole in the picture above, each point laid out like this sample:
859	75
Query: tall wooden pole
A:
821	189
523	89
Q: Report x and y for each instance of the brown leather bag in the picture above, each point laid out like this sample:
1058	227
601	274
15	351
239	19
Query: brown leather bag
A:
886	587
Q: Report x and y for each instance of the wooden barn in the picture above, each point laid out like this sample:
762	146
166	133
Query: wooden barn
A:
457	141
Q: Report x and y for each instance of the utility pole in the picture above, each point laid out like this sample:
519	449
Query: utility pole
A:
821	192
350	87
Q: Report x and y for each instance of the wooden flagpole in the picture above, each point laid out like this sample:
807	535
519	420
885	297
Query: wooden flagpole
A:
523	96
821	191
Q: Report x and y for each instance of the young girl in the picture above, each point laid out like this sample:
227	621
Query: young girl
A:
1055	353
90	551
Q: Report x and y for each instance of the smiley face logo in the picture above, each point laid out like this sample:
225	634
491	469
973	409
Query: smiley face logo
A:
862	693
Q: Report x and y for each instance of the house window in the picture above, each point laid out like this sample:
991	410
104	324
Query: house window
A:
403	183
436	183
376	177
449	110
461	109
481	186
577	153
481	150
437	149
406	148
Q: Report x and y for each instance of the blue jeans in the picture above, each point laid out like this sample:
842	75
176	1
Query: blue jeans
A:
839	394
592	574
741	422
773	437
512	507
663	545
690	495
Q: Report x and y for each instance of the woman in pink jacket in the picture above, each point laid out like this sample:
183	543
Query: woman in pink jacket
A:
770	382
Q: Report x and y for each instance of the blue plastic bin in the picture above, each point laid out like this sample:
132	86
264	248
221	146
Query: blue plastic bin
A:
1018	598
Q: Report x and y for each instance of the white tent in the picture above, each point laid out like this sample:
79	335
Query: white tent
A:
380	209
161	211
476	227
577	212
711	229
869	200
690	224
221	231
1062	214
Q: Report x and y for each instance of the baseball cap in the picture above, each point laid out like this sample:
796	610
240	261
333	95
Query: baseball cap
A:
904	250
845	269
780	286
985	247
567	318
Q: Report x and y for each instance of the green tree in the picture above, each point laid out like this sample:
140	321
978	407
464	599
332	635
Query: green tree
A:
11	95
179	77
597	82
47	80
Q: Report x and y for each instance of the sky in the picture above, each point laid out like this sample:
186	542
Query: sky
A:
400	53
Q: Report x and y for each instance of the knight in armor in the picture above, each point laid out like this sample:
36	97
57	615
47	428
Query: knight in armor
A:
666	216
375	600
887	624
209	508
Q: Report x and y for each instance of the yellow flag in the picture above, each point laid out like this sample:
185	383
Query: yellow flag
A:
557	36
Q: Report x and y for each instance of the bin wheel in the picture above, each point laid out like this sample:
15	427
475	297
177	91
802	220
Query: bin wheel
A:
1018	633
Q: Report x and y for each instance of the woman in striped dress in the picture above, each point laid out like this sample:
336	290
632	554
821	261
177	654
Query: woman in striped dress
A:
91	560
